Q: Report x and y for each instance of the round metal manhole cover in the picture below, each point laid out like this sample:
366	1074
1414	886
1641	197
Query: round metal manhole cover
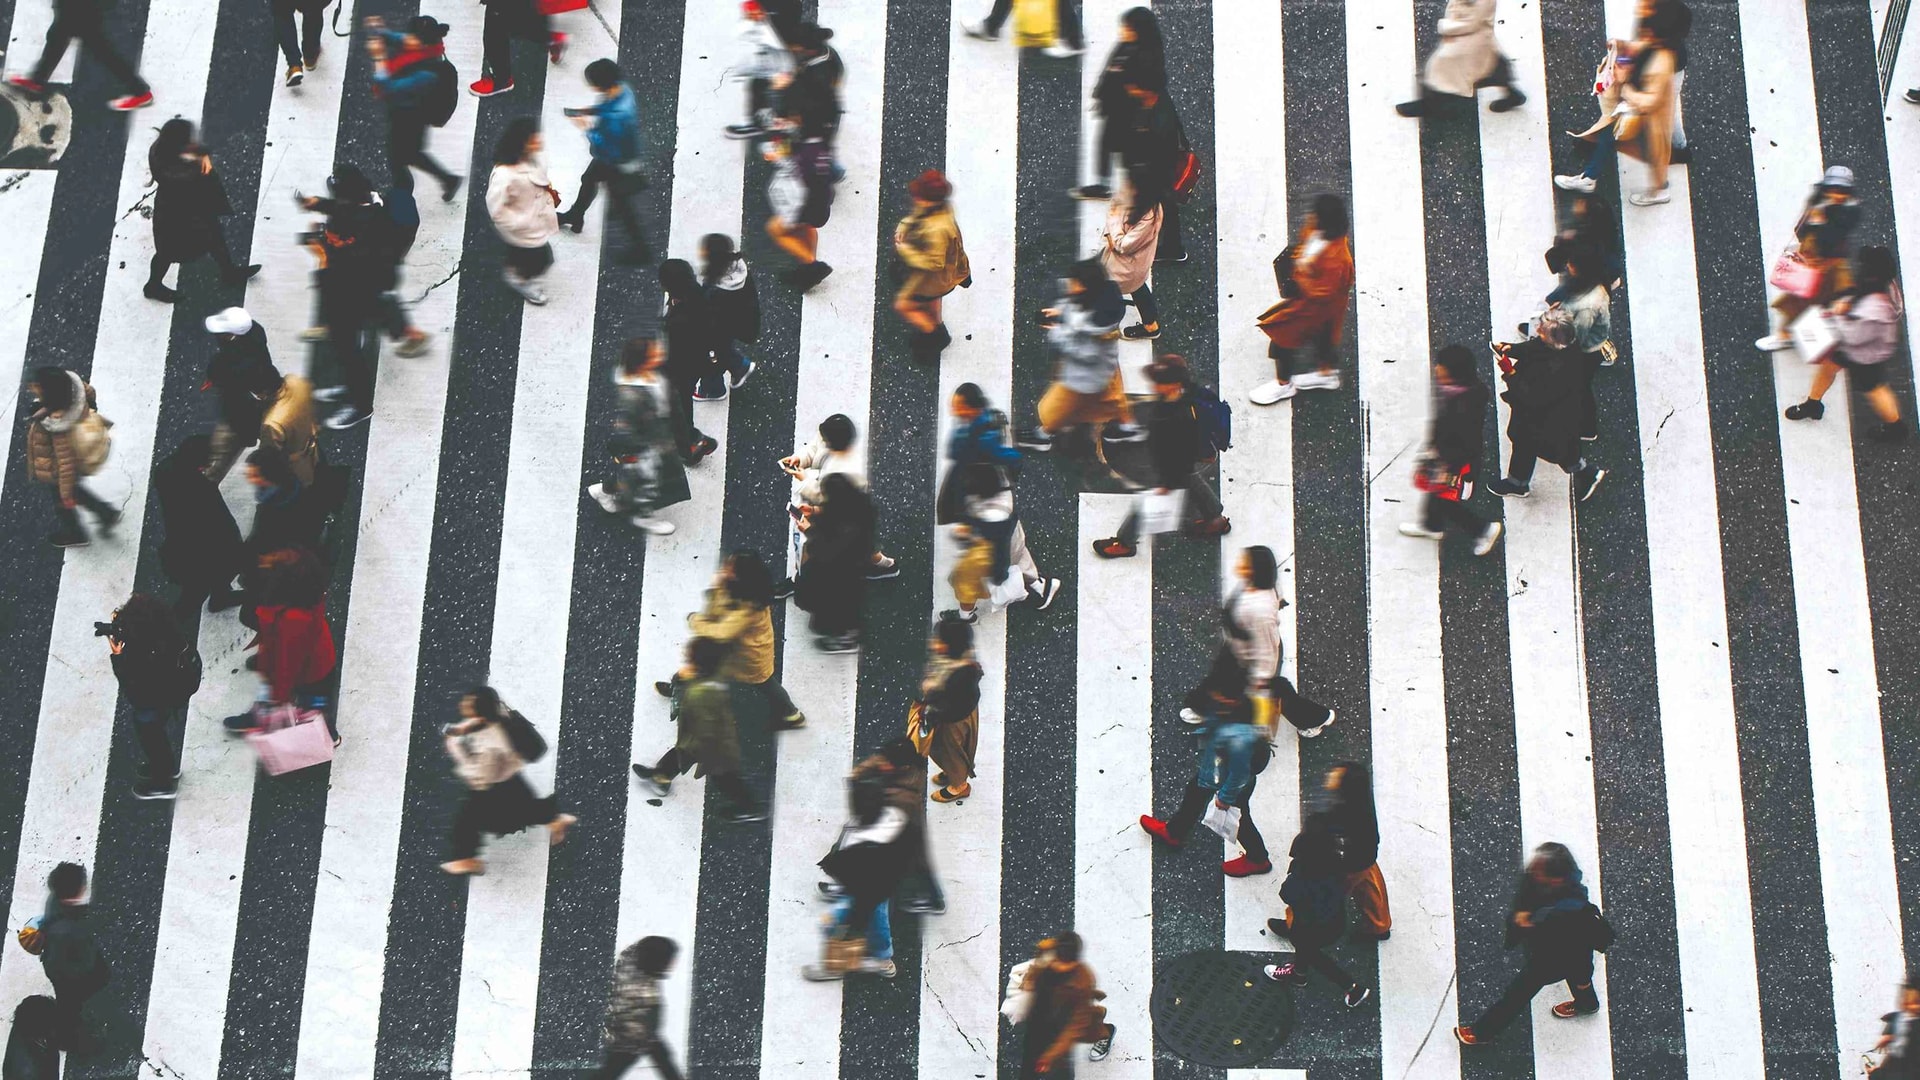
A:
1216	1008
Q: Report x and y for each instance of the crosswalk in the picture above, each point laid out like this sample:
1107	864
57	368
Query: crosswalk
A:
1702	681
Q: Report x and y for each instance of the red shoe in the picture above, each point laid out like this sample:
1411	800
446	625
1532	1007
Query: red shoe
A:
1466	1036
488	88
1158	830
556	46
24	83
1245	867
132	102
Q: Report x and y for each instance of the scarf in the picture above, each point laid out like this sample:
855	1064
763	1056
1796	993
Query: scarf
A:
396	64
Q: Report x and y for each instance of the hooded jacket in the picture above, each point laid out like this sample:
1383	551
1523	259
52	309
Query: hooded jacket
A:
54	455
1085	339
733	301
518	202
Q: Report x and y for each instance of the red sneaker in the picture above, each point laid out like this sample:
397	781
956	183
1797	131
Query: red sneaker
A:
488	88
1245	867
24	83
132	101
556	46
1466	1036
1158	830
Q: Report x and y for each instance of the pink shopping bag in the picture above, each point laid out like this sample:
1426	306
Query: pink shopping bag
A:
290	738
1791	274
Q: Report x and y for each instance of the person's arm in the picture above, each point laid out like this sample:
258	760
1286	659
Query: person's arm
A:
1134	237
726	625
1655	86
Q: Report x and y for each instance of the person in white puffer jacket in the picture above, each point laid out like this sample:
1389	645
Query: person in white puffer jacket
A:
763	58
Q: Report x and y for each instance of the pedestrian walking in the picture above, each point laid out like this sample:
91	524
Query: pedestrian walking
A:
158	670
1062	1011
738	613
1235	750
1316	913
835	563
646	474
294	652
873	854
300	45
707	739
1067	42
412	76
1558	930
1866	322
1591	230
33	1052
1549	386
359	248
1083	330
68	441
614	149
1179	451
522	204
830	453
1314	275
1155	150
1250	632
69	954
1128	243
944	721
810	103
801	193
506	21
763	58
1822	238
690	360
288	513
981	434
1444	471
200	547
85	21
901	770
491	746
1351	818
1637	91
1896	1054
932	262
188	203
1139	57
732	296
632	1028
258	405
1467	59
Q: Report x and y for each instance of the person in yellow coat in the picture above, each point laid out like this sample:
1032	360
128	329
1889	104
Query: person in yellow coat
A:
933	262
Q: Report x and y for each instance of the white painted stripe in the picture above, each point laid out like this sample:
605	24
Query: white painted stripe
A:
200	903
346	956
500	969
1408	691
1257	474
1113	778
1553	741
660	871
27	195
61	816
1713	908
1266	1074
800	1030
960	952
31	20
1100	21
1851	817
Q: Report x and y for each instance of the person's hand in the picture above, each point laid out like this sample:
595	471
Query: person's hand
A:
1523	920
1841	306
581	122
1049	312
376	48
206	164
116	646
372	22
1043	1066
1161	491
781	81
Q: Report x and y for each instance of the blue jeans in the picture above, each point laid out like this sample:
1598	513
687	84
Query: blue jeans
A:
1602	156
1226	761
879	926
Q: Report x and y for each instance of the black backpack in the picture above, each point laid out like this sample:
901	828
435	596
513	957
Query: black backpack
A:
444	95
1602	939
526	739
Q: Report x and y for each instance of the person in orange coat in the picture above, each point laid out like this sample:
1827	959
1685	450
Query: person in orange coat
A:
1313	303
1063	1012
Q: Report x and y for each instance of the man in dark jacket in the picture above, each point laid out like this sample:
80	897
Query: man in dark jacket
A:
614	146
358	247
85	21
200	549
1175	449
241	360
812	97
288	513
158	671
1152	146
632	1028
409	74
1453	445
69	955
690	341
1547	389
1559	929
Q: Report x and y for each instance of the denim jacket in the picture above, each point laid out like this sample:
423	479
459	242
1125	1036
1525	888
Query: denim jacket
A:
615	135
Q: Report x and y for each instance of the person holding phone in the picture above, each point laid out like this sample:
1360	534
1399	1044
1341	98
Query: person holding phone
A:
159	672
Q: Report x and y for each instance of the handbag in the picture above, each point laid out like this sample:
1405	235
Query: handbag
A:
92	442
1225	823
1035	23
1160	513
1018	1001
1436	478
290	738
1794	276
1814	335
843	952
919	732
30	937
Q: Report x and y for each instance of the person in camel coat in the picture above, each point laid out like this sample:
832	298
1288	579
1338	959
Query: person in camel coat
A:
1467	59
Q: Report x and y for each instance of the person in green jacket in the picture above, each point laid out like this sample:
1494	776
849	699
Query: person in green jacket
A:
708	741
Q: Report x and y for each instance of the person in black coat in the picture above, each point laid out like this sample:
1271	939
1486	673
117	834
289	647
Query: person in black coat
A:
240	363
690	343
69	955
1559	929
288	513
1139	58
1351	817
31	1051
810	101
1175	447
85	21
1453	444
1316	912
200	548
1547	388
832	583
1152	147
187	207
159	672
732	297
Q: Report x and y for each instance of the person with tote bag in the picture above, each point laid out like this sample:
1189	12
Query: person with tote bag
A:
491	746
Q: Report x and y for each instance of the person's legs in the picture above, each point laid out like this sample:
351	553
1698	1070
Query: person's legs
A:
1602	156
312	25
669	765
1520	463
1192	805
286	32
1501	1013
998	16
1302	712
1315	957
496	41
880	931
1202	503
99	507
1282	362
1068	17
1584	997
150	728
779	703
615	1063
1440	513
345	332
59	36
662	1059
403	147
1824	373
1129	533
157	268
465	843
735	789
590	181
1143	303
94	40
1249	836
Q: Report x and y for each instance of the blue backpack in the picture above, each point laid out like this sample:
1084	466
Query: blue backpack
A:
1215	416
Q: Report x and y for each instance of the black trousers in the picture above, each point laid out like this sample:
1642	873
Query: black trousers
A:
496	39
1313	954
302	45
619	191
348	316
1194	803
673	763
1520	991
1283	358
1064	11
615	1063
92	36
70	515
1301	711
1441	513
68	1001
482	809
407	151
158	266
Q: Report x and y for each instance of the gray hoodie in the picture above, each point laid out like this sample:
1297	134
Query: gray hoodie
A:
1086	342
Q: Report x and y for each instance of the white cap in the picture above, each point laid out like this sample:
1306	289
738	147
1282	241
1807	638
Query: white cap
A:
231	321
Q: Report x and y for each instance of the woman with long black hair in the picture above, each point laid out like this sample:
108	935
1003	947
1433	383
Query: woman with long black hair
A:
158	671
523	204
1444	470
832	583
487	758
1139	58
1351	817
188	203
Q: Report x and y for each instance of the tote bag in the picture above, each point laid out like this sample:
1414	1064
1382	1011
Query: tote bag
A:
290	738
1034	24
1792	275
1814	335
1161	513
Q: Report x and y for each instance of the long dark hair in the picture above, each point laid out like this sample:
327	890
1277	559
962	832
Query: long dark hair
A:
145	622
512	147
487	703
1265	569
1873	271
1353	796
677	280
751	582
1330	216
717	255
176	135
1149	67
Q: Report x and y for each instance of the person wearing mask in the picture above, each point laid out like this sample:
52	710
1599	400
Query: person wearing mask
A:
647	475
412	76
1250	631
835	564
521	203
1083	330
505	21
945	719
632	1027
69	955
831	453
763	58
987	518
200	548
68	441
706	737
1179	453
1558	930
932	263
1899	1044
1063	1013
294	652
801	194
1444	470
188	203
288	512
1068	41
873	854
1638	107
732	296
300	45
484	745
85	21
158	671
614	147
1823	234
1468	58
1867	320
258	405
1549	385
739	614
1232	757
357	251
690	334
980	435
1152	148
1350	816
1316	913
1315	275
1139	57
1128	243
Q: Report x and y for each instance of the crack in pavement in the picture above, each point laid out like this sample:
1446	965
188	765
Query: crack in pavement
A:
1435	1022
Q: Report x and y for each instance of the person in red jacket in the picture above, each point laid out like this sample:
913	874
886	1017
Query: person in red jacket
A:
294	652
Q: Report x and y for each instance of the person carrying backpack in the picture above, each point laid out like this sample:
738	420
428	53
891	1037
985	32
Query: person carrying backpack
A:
1559	930
1180	445
490	746
69	955
412	74
158	671
981	434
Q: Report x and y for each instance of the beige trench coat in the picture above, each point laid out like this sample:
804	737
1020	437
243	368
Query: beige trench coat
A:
1467	51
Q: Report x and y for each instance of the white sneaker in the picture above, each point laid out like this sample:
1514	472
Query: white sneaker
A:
530	291
1314	732
605	498
1060	50
331	393
1651	197
1486	541
1773	343
653	525
1271	392
1418	531
1314	380
979	31
1188	716
1576	182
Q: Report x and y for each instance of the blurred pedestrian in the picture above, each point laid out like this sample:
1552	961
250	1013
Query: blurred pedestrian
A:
1558	929
632	1029
707	738
158	670
68	441
647	474
1063	1011
86	22
932	263
1467	59
522	204
1444	470
490	749
1315	275
188	203
200	547
1316	913
614	149
1867	320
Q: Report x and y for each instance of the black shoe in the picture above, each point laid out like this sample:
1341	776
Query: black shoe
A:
236	274
106	520
660	788
1033	439
1117	432
157	291
1092	192
1278	928
1508	489
920	905
349	417
711	388
1681	155
1416	107
707	445
784	589
450	187
1888	432
664	689
838	643
1171	260
68	538
143	788
1044	593
805	276
572	222
239	723
1807	410
1513	100
1586	482
1139	332
141	772
745	131
1912	96
882	573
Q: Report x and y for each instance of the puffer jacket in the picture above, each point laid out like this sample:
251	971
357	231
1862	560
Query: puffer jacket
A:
54	453
633	1008
518	202
1086	340
289	427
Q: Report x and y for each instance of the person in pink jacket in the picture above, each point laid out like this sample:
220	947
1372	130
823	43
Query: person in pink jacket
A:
522	204
1131	238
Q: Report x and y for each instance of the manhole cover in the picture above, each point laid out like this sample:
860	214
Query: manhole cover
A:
1216	1008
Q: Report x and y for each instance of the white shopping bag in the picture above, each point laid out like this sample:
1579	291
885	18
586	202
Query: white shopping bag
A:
1224	822
1814	335
1008	592
1161	513
1018	1001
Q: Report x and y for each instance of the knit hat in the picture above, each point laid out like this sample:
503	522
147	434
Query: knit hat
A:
1838	176
931	186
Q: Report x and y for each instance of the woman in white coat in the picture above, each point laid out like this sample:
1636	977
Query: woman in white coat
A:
1468	58
523	205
